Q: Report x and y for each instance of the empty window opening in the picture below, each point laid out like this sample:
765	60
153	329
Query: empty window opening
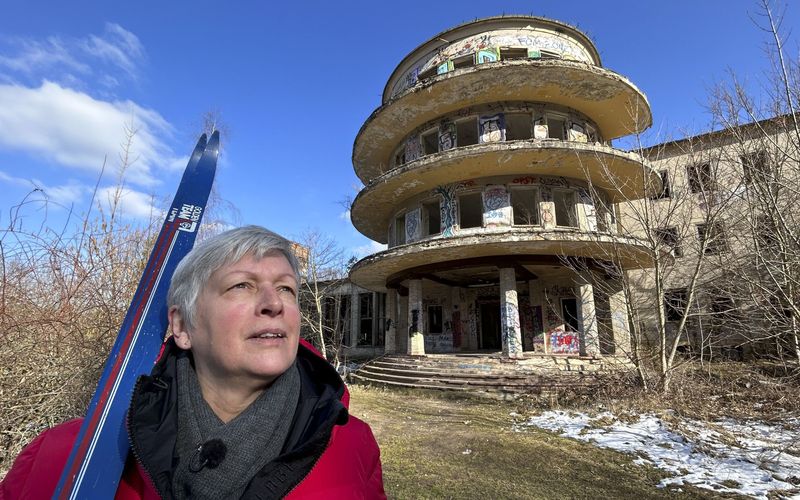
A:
518	126
430	142
365	313
700	177
675	302
467	131
549	54
565	208
668	236
431	214
435	319
755	166
400	157
508	53
400	229
428	73
470	210
556	127
569	311
525	205
464	61
713	236
665	190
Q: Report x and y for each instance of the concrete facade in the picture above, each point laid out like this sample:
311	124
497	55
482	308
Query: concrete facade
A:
488	170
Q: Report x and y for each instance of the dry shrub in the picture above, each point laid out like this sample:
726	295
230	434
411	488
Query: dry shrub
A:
62	300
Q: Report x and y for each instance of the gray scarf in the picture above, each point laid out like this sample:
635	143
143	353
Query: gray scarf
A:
251	440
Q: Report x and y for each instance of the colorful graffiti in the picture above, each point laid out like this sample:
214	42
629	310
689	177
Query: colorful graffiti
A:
496	205
448	209
492	128
448	138
509	318
413	225
487	55
564	342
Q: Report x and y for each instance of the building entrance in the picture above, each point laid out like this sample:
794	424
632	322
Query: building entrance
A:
490	325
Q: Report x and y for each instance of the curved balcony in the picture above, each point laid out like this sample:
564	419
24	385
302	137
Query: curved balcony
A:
610	100
621	175
512	246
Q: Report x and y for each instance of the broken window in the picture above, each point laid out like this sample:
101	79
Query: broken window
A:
675	302
755	166
435	319
549	54
464	61
433	219
701	179
400	229
365	318
428	73
668	236
556	127
470	208
430	142
665	190
518	126
713	236
508	53
525	205
467	131
577	132
492	128
565	208
400	157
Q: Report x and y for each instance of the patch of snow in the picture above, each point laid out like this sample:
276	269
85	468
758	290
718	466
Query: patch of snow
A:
749	458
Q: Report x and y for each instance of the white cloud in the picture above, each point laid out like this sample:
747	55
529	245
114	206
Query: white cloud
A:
345	216
128	202
368	249
76	130
62	195
73	60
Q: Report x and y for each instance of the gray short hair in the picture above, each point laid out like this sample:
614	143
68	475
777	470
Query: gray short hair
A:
194	271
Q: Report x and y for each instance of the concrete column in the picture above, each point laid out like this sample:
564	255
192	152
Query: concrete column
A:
416	318
619	323
355	310
390	341
590	338
402	323
509	314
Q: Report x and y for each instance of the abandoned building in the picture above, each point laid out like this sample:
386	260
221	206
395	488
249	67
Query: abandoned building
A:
489	171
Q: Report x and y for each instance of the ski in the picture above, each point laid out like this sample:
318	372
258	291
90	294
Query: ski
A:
97	459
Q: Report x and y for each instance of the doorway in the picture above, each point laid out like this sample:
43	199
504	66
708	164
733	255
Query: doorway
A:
569	311
490	325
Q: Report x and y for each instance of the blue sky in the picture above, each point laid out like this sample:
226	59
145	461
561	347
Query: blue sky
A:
293	82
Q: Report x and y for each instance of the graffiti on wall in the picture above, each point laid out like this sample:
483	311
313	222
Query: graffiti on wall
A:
492	128
448	208
456	328
509	318
496	206
489	54
413	225
448	138
563	342
542	180
413	147
526	322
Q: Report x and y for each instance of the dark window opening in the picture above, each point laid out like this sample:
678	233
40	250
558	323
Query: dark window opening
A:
400	158
365	319
569	311
430	142
525	205
700	177
508	53
464	61
344	319
565	208
675	302
470	210
665	190
400	229
435	319
668	236
428	73
432	216
713	236
755	166
556	127
549	54
467	131
518	126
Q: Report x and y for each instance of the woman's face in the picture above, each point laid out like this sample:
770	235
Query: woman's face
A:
247	324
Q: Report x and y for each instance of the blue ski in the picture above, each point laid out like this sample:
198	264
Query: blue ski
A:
98	456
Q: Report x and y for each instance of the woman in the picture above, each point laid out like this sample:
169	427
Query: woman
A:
237	405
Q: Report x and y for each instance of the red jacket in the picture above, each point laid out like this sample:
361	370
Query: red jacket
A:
348	468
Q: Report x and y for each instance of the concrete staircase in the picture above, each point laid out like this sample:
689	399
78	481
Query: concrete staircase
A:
490	374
